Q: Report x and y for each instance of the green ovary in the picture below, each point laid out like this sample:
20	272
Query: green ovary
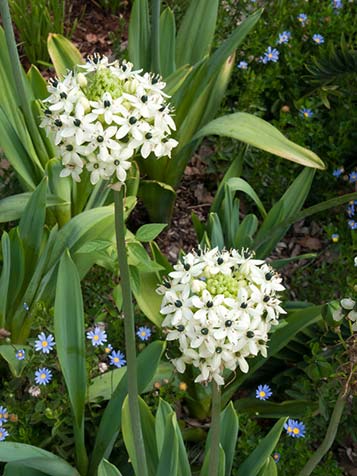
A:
222	284
103	81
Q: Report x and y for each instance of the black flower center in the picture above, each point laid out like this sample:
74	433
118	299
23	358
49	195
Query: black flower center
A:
144	98
63	95
186	266
268	276
48	112
106	103
116	162
100	138
132	120
209	304
220	261
266	298
77	122
180	328
219	350
69	147
58	123
148	135
204	331
250	334
228	323
178	303
244	305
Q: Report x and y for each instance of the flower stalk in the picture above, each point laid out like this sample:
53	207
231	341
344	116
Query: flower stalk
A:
215	429
329	437
129	326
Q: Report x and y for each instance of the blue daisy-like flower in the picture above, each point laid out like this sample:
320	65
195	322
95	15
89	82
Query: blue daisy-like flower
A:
352	177
335	237
263	392
306	113
318	39
337	4
44	343
352	224
338	172
276	456
302	18
108	348
98	336
144	333
20	354
242	65
284	37
117	358
295	428
43	376
4	415
271	54
3	433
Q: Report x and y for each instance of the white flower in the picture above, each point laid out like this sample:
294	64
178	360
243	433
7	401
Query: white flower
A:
107	109
347	303
219	308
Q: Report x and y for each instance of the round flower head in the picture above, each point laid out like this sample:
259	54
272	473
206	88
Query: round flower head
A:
295	428
117	358
20	354
318	39
219	307
242	65
306	113
276	456
43	376
44	343
271	54
284	37
263	392
98	336
144	333
102	114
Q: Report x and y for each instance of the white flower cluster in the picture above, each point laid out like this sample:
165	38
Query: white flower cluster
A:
102	114
348	309
220	306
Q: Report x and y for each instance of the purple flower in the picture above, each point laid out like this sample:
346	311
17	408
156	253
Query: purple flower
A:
242	65
20	354
144	333
284	37
263	392
117	359
98	336
44	343
302	18
43	376
353	177
338	172
306	113
3	433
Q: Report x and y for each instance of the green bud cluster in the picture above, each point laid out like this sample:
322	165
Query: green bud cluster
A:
103	81
222	284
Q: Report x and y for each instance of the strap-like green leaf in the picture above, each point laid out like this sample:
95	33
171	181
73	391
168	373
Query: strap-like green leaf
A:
269	469
148	428
110	423
196	32
259	133
70	345
108	469
169	456
36	458
5	276
258	457
245	232
292	409
167	42
37	82
222	463
139	35
228	435
64	55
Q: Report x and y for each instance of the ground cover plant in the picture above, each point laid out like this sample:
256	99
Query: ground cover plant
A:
119	361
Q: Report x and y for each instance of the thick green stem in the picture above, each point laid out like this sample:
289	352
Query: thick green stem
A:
81	453
155	36
215	430
329	437
17	72
129	327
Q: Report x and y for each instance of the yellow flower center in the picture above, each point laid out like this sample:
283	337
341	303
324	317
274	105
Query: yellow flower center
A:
143	333
43	376
95	337
44	343
116	359
270	55
262	393
290	429
296	431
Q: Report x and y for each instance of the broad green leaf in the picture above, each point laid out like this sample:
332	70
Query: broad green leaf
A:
64	55
196	32
19	276
107	469
236	184
35	458
176	79
60	187
149	232
215	231
5	276
16	153
110	423
269	468
228	435
37	82
13	469
288	206
12	207
295	322
169	457
69	333
167	42
259	133
103	386
292	409
244	234
258	457
163	414
139	35
222	463
159	199
280	263
148	428
8	352
31	225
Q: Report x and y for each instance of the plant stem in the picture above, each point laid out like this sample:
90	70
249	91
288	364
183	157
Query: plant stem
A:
215	430
129	327
18	73
81	453
155	36
329	437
